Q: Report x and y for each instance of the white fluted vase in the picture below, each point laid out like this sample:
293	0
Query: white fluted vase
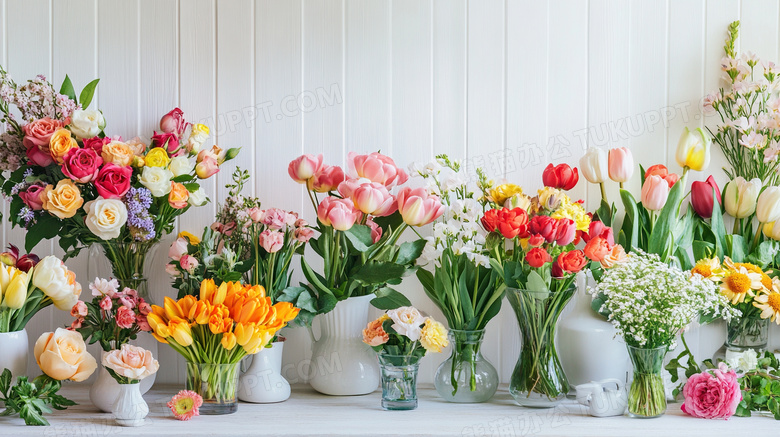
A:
341	364
130	409
262	382
14	350
105	389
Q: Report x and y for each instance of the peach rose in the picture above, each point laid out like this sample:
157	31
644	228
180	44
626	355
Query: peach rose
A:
62	354
63	200
616	256
131	362
38	133
117	152
137	146
178	196
60	143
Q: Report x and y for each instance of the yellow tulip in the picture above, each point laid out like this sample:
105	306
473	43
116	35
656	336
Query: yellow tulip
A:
172	309
772	231
181	332
244	333
199	313
228	340
193	239
5	279
207	288
16	294
246	311
693	150
186	303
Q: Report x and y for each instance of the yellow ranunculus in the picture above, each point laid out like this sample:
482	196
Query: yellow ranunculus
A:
60	143
228	340
433	336
157	157
576	212
62	354
518	201
501	193
693	150
63	200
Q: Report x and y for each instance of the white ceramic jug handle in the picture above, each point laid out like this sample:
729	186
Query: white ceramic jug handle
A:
244	366
617	382
311	333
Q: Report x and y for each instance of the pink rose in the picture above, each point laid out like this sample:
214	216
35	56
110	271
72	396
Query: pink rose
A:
303	234
188	263
178	248
143	307
274	218
106	303
32	196
113	181
271	241
79	310
712	395
173	122
81	165
167	140
127	301
207	168
326	179
38	157
377	168
143	323
125	317
96	143
38	133
376	231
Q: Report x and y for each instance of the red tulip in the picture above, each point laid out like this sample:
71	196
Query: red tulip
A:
537	257
545	226
701	196
569	262
567	229
560	176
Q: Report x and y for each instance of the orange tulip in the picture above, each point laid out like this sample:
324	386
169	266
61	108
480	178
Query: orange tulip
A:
186	303
244	333
172	309
199	313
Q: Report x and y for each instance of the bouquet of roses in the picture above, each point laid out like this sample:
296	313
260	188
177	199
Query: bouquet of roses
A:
359	222
130	364
113	317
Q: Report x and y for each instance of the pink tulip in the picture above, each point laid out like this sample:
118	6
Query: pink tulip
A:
178	248
274	218
371	198
207	168
303	234
341	214
326	179
377	168
621	164
271	241
655	191
376	231
256	214
417	207
304	167
566	232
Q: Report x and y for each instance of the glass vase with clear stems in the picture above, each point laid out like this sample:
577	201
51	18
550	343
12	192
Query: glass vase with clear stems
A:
217	384
747	332
399	381
466	376
647	395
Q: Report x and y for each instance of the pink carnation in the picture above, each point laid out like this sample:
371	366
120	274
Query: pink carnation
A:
125	317
712	395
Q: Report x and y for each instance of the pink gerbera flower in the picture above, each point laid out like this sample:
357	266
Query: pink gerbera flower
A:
185	405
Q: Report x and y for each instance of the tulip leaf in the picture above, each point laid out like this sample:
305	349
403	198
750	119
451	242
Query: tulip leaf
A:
535	282
67	88
85	98
661	236
409	251
764	254
360	237
605	213
717	227
736	247
631	221
379	273
389	299
703	249
426	279
392	221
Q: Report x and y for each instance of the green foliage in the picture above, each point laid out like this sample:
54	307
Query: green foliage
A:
31	400
761	388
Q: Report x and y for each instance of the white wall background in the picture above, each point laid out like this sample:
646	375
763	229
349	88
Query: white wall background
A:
510	85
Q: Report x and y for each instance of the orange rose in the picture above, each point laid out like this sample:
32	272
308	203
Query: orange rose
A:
60	143
117	152
63	200
178	196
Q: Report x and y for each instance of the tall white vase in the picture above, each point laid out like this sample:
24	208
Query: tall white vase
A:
130	409
263	383
341	364
588	347
14	350
105	389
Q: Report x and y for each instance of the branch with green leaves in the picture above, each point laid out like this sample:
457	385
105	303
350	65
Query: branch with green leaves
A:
31	399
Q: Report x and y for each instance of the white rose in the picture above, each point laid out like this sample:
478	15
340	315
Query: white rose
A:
198	135
181	165
55	280
86	123
157	180
198	197
106	217
407	321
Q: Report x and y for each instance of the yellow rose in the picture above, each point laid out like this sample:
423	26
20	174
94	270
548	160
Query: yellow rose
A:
60	143
63	200
501	193
157	157
433	336
117	152
62	355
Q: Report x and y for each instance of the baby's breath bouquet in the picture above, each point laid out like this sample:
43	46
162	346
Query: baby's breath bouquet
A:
650	303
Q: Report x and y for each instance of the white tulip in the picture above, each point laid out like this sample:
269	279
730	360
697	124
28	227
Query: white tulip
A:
768	206
740	196
594	165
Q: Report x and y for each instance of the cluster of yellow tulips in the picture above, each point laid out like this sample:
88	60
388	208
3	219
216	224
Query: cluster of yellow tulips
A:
223	325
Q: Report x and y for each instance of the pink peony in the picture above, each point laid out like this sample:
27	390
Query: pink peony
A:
125	317
303	234
274	218
106	303
32	196
712	395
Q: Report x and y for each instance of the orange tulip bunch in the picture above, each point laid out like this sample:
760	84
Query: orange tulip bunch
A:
223	324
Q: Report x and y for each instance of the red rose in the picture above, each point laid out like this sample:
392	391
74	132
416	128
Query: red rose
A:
81	165
513	223
560	176
113	181
569	262
545	226
32	196
490	220
168	141
597	248
567	229
537	257
96	143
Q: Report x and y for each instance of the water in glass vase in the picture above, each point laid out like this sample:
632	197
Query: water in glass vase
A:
647	396
466	376
217	384
399	381
747	333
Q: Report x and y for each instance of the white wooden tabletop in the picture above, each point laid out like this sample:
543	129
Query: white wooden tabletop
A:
308	413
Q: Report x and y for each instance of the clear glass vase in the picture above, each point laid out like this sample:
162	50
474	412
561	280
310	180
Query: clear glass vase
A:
647	397
538	379
399	381
466	376
747	333
217	384
128	262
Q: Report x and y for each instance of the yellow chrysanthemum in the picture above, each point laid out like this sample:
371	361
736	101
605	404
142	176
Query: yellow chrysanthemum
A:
576	212
710	269
769	304
433	336
499	194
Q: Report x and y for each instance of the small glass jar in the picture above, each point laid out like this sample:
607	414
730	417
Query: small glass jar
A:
466	376
399	381
647	396
217	384
747	333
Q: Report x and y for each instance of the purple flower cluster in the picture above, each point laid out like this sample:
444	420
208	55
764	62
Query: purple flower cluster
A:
139	221
27	215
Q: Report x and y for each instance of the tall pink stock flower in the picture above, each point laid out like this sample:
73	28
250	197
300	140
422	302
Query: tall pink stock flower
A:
271	241
369	197
377	168
655	191
326	179
339	213
713	395
304	167
417	207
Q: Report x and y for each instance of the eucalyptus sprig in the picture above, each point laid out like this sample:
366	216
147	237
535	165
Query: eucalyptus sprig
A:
31	400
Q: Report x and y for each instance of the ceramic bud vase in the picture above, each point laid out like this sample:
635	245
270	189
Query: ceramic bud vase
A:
647	395
341	364
262	382
14	350
399	381
105	389
538	379
130	409
466	376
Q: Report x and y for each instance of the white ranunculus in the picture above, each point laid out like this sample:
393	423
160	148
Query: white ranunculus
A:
198	197
181	165
407	321
106	217
86	123
56	281
157	180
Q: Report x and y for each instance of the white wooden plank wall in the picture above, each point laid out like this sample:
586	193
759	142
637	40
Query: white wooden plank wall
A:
508	85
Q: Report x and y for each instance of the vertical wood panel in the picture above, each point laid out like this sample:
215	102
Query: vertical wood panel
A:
449	77
759	30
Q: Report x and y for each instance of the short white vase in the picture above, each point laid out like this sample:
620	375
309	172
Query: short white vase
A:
105	389
130	409
262	382
14	350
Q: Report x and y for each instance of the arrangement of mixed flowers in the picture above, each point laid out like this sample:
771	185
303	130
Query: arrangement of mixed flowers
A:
405	332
